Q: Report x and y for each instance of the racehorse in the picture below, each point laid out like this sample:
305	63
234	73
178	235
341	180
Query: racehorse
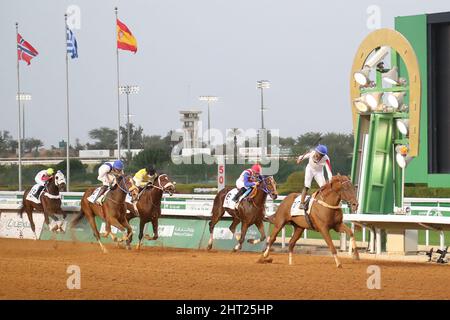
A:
325	214
50	202
149	205
250	211
112	211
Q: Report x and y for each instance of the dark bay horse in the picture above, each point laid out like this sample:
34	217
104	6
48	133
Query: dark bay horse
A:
149	206
326	214
250	211
113	210
50	202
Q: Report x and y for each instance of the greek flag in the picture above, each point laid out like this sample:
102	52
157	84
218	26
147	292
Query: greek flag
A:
72	47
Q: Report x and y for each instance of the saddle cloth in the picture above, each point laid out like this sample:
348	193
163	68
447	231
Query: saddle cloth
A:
31	197
228	201
94	194
295	208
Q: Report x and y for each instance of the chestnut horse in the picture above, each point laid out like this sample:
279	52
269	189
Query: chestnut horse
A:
250	211
112	211
50	202
325	214
149	205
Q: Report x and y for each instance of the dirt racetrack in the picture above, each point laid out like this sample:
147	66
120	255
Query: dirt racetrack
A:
38	270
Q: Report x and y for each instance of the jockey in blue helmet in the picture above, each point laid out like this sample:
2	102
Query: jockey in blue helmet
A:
107	173
318	159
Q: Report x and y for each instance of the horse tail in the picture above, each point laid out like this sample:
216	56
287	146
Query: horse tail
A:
21	210
77	219
270	219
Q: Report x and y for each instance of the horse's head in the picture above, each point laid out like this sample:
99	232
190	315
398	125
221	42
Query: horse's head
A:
163	182
269	186
343	186
126	184
60	181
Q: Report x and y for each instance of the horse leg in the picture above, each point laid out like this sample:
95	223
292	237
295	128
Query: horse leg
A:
129	236
233	226
344	228
271	239
29	212
326	235
91	219
142	223
260	226
216	215
155	228
241	240
295	236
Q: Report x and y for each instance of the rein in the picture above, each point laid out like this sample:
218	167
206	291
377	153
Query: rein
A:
325	204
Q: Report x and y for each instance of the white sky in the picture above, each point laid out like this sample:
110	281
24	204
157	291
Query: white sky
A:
188	48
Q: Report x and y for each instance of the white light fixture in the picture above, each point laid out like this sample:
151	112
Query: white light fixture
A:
377	57
395	99
391	76
361	104
23	96
362	76
128	89
402	157
374	100
403	126
262	84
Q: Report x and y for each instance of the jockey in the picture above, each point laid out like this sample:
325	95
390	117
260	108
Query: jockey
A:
41	179
247	180
318	159
107	173
145	176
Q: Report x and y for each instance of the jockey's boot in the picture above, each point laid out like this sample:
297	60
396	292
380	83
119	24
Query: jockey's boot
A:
302	202
99	198
239	194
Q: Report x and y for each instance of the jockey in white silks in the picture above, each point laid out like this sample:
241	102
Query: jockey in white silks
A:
41	178
318	159
106	175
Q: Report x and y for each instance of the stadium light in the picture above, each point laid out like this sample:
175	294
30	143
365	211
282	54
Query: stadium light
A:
209	100
361	104
395	99
374	100
128	89
403	126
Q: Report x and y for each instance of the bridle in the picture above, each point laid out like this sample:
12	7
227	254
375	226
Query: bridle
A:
164	187
125	188
264	187
322	201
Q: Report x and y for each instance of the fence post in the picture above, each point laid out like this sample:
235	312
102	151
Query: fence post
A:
283	237
441	240
378	240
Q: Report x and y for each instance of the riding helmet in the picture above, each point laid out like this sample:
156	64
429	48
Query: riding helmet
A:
118	165
323	150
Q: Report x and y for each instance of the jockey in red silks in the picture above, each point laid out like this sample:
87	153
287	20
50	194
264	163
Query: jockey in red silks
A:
247	180
318	159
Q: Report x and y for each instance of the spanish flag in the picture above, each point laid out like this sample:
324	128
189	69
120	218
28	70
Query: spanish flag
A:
125	39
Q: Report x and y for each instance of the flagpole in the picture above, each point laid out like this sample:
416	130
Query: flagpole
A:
118	94
19	140
67	113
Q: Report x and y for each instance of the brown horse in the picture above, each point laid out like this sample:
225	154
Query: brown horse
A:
250	211
113	210
326	214
50	202
149	205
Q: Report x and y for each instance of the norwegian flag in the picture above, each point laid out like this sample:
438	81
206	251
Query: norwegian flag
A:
25	51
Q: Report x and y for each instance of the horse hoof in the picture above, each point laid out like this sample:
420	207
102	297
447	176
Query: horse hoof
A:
209	247
356	257
339	266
